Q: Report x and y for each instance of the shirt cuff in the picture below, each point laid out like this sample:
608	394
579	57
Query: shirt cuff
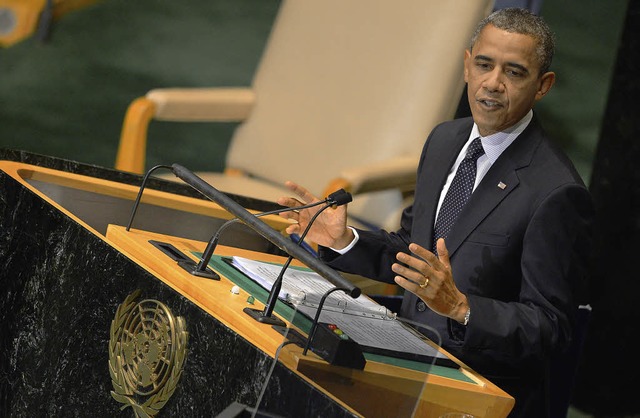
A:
351	244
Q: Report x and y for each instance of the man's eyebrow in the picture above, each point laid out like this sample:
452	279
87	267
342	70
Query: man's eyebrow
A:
509	64
482	58
518	66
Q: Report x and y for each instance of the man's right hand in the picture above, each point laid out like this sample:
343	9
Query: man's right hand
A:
329	229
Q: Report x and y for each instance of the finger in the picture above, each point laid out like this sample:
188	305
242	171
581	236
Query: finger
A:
289	202
305	194
293	229
443	253
409	274
410	286
440	262
416	263
291	216
423	253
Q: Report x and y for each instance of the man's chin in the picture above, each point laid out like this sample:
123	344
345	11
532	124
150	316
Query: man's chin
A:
486	125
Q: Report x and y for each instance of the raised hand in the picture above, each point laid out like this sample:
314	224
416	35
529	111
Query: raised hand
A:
430	278
329	229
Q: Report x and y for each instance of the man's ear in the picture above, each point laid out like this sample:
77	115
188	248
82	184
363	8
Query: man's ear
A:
546	82
467	62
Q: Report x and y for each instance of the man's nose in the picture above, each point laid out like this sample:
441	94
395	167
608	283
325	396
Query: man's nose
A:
494	81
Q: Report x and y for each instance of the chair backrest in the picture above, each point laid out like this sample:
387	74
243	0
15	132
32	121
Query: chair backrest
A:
344	83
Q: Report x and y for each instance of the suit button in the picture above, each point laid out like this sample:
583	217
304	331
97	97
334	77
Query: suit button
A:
421	306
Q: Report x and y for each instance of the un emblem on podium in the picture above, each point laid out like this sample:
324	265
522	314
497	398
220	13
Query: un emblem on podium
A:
147	351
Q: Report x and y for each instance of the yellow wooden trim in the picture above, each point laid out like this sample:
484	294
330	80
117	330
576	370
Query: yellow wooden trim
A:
25	14
133	139
230	171
337	184
62	7
24	172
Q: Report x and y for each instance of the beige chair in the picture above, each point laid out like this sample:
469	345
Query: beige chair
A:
344	96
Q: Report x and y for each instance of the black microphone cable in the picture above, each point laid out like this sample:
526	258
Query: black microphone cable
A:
142	186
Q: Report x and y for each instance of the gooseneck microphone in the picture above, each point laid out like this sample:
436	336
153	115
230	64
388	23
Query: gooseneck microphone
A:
338	198
142	186
316	319
254	223
265	230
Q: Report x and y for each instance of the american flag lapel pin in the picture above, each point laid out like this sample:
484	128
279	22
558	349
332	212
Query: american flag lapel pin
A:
502	186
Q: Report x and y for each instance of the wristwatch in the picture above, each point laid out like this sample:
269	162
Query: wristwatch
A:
466	317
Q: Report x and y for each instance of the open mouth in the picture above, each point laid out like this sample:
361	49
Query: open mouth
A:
489	103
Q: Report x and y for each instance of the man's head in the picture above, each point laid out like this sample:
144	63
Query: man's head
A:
507	68
524	22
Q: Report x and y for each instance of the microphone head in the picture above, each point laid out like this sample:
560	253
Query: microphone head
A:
339	198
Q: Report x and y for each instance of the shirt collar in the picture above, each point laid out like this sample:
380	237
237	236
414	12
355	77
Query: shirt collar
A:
495	144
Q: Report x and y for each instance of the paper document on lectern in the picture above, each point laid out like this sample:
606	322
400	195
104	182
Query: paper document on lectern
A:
365	321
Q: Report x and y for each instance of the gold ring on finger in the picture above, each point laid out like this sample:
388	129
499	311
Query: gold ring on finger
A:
426	283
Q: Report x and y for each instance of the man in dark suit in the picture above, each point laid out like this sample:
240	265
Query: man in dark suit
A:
500	284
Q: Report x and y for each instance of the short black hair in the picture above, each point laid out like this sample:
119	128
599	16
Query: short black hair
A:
522	21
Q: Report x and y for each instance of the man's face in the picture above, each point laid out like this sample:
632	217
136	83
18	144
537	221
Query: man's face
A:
503	79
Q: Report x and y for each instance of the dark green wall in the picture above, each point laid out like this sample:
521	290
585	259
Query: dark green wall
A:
588	33
67	98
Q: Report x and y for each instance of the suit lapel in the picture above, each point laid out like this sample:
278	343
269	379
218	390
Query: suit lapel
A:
443	153
498	183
